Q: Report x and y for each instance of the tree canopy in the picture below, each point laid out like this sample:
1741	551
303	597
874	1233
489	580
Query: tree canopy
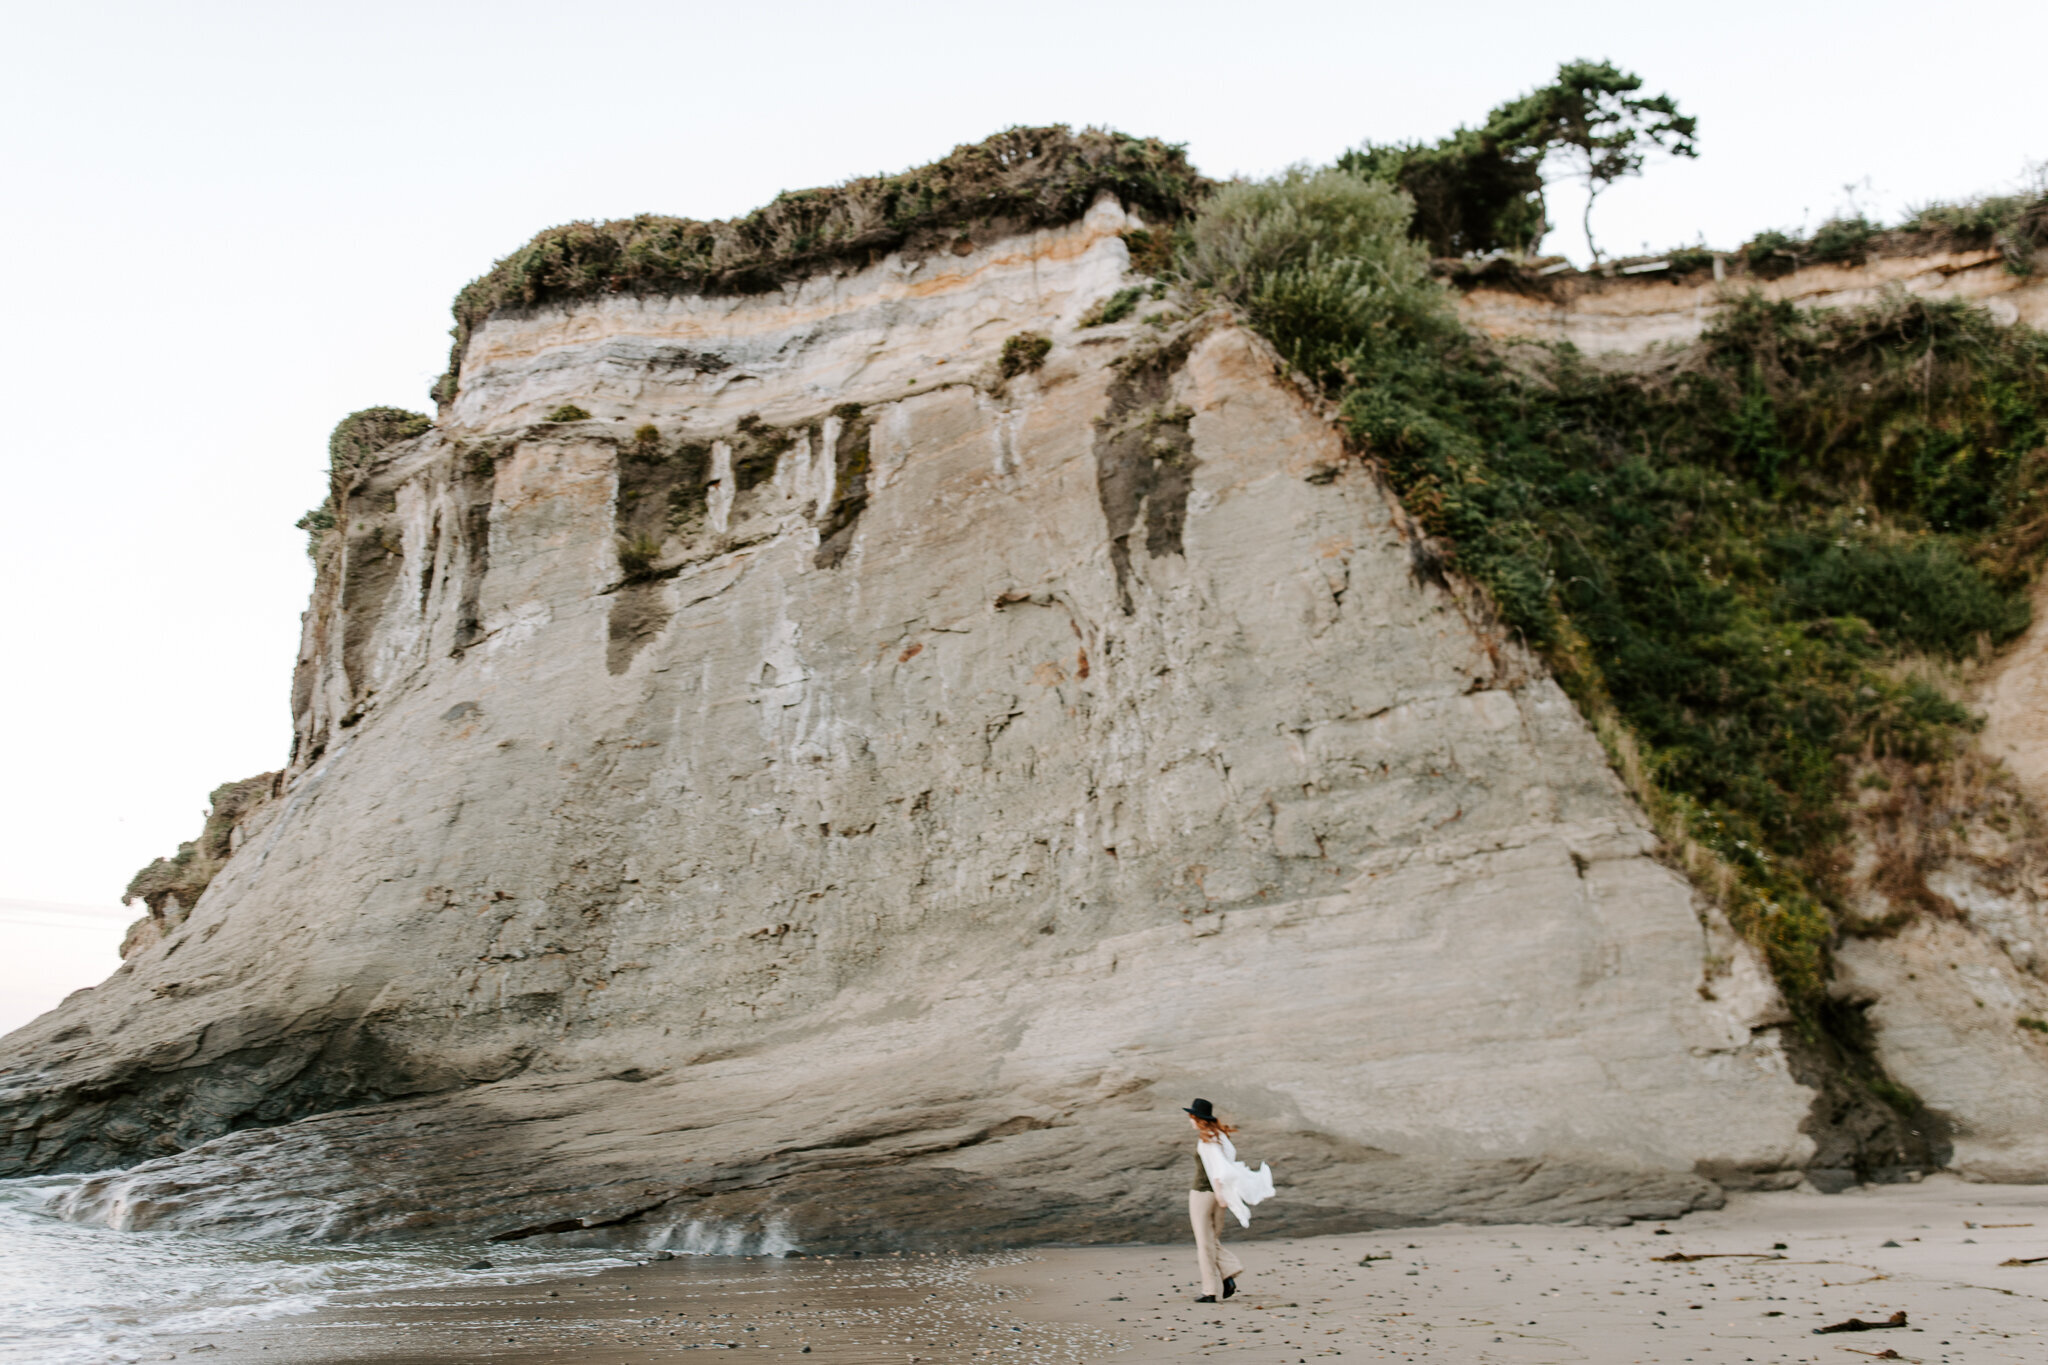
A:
1481	189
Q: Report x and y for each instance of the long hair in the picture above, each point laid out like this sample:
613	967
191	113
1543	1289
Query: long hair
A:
1211	1128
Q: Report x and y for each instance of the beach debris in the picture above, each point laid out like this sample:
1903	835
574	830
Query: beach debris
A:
1368	1260
1889	1242
1886	1354
478	1265
1684	1256
1897	1319
2024	1260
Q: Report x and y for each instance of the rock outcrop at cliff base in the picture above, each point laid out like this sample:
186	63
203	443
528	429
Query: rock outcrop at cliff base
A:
840	791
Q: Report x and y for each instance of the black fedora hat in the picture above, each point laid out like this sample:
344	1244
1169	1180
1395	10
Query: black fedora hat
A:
1201	1109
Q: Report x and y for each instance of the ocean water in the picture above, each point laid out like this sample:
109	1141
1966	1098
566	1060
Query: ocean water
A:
81	1294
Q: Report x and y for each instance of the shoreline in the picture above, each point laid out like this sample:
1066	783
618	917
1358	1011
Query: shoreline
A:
1518	1294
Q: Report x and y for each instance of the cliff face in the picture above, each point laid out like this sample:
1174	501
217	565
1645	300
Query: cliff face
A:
843	788
1957	999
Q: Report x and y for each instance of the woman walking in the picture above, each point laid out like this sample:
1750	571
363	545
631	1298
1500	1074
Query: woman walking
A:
1221	1182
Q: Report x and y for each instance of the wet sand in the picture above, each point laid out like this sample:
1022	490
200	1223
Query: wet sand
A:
845	1311
1458	1295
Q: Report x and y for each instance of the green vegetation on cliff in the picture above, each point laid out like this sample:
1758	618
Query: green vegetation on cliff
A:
359	437
1019	179
2013	225
356	440
1738	556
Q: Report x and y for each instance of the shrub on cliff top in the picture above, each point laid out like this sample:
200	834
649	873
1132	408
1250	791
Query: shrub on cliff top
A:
1021	178
1323	264
2014	225
356	440
358	437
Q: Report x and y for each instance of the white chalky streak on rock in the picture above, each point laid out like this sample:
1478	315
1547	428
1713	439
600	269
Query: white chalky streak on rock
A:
721	486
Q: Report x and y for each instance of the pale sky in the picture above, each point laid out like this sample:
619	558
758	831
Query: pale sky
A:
229	224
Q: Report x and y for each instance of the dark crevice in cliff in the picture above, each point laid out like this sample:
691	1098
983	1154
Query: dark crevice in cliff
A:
640	612
372	559
850	461
428	562
1144	459
757	448
476	487
662	492
1865	1126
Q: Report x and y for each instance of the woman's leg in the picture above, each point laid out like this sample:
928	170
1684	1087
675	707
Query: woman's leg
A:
1202	1208
1228	1267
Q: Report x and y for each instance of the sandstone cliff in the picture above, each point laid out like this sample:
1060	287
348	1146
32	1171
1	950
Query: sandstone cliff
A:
855	781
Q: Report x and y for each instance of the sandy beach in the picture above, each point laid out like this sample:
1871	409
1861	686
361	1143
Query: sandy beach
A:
1749	1283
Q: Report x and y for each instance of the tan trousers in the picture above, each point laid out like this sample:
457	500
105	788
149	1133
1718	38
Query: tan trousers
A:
1216	1260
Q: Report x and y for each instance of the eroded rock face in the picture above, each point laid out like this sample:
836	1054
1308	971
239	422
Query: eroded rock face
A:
1957	997
837	790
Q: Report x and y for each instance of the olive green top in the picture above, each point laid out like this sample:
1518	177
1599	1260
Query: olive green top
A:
1201	1175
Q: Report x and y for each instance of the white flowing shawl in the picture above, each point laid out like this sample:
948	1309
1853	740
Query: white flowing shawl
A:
1235	1183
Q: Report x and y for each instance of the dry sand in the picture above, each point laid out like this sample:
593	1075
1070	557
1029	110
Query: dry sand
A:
1541	1294
1462	1295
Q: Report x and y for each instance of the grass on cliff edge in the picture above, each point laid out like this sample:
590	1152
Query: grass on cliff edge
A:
357	439
1730	554
1019	179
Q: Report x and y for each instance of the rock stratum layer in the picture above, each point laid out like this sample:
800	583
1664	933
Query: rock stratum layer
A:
1605	314
838	793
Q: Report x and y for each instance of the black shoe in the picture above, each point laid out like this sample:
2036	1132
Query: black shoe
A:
1206	1298
1230	1286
